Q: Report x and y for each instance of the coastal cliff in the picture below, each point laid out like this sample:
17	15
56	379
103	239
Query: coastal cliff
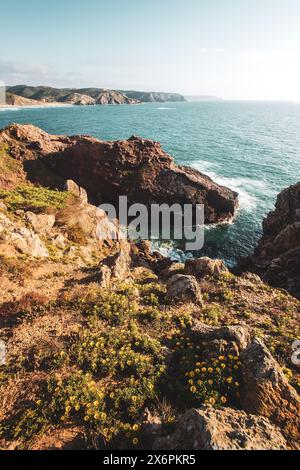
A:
90	96
137	168
277	256
105	344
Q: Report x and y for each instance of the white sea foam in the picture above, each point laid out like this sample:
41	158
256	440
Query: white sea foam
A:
9	109
169	250
164	108
243	186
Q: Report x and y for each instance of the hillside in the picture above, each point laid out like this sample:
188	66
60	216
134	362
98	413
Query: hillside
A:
107	345
90	96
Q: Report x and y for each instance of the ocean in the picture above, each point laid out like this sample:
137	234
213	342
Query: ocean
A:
251	147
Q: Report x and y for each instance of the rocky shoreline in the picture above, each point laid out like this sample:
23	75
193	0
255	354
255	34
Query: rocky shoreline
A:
136	168
277	256
109	345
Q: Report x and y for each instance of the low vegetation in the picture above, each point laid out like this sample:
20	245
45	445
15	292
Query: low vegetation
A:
33	198
131	350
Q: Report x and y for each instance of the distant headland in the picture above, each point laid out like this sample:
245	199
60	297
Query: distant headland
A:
23	95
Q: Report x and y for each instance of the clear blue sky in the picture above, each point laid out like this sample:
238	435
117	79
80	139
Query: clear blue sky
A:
231	48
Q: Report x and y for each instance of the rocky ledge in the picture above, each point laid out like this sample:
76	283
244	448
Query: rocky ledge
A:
136	167
276	258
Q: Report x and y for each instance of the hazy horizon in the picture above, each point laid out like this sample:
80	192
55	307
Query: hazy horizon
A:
246	50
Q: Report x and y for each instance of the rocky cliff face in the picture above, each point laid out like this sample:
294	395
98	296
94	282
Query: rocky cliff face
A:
16	100
154	97
277	257
78	99
136	167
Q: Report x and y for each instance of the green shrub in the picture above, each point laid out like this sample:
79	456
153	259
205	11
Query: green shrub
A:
36	199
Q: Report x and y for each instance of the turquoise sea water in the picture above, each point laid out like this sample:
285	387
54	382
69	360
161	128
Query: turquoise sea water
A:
254	148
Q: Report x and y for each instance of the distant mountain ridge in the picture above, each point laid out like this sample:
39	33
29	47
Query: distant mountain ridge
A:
90	96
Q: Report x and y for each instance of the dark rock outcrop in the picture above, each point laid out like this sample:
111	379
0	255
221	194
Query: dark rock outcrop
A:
277	257
137	168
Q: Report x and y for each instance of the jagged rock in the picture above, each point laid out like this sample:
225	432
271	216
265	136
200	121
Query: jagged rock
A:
142	256
222	429
116	266
114	97
184	288
93	223
205	267
138	168
3	207
28	243
73	188
267	392
41	223
104	276
78	99
237	334
276	256
21	239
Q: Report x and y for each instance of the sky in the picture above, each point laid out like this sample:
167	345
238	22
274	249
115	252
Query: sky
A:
234	49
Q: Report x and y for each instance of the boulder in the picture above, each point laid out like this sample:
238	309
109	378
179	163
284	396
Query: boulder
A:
238	335
79	192
137	168
19	238
116	266
41	223
205	267
184	288
266	390
222	429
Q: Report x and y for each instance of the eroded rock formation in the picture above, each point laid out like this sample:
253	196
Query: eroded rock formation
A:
137	168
